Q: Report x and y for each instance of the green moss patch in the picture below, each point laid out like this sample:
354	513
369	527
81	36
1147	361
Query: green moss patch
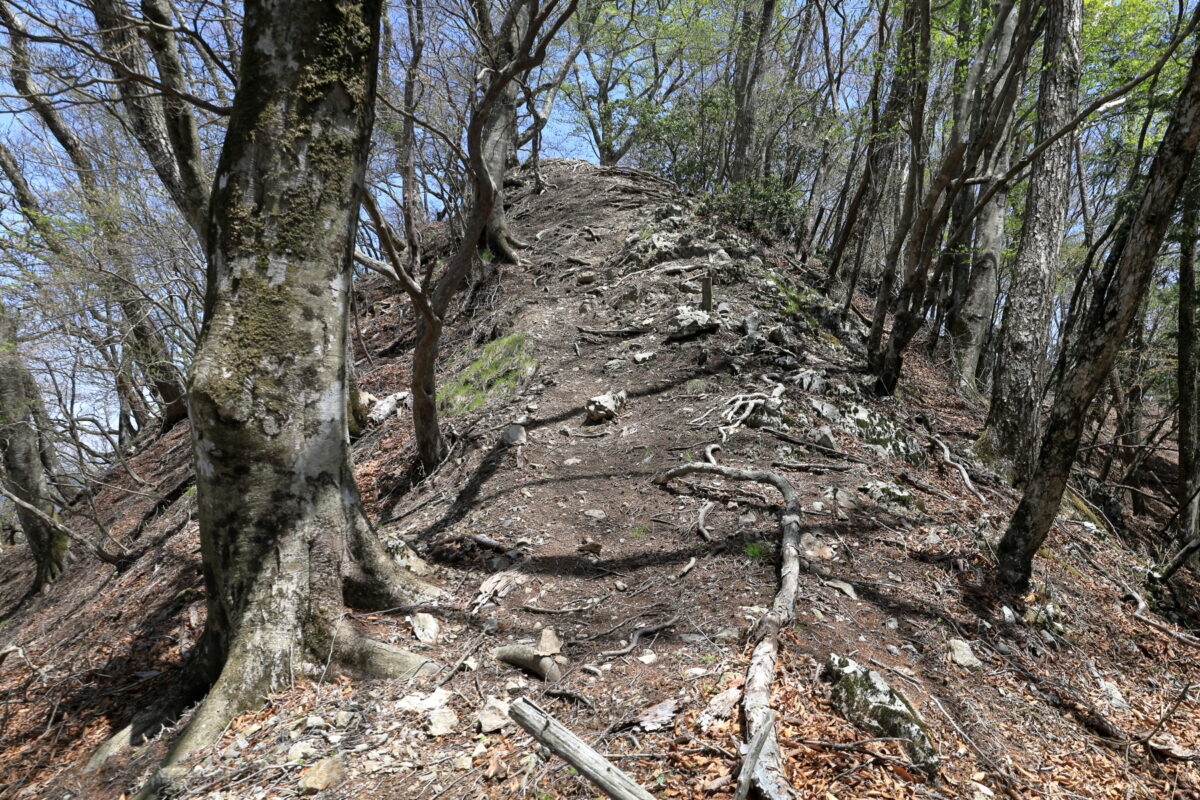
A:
500	368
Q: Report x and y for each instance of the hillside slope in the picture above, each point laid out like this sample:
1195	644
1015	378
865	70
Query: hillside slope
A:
540	519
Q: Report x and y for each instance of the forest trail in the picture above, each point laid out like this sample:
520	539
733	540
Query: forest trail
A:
546	529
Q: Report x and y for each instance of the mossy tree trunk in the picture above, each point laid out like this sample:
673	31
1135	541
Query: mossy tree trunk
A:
27	456
283	538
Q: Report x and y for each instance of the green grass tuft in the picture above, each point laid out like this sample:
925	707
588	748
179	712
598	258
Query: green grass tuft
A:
500	368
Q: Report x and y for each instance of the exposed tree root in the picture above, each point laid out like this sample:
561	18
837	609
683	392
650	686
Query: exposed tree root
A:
768	775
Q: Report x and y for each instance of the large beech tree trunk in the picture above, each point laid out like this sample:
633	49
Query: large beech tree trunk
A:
283	538
27	455
1119	291
1014	420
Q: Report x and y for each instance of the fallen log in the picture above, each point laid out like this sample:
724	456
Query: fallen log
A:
539	724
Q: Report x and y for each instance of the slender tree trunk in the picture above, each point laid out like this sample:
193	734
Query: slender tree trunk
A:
1185	375
26	455
500	132
1118	293
1014	419
756	34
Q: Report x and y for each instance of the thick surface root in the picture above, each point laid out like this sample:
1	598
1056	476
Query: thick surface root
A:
768	775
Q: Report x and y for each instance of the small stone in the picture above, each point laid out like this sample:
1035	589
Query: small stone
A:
386	407
442	722
585	277
932	540
426	628
1008	614
728	635
493	716
823	437
614	365
313	722
648	657
1112	694
570	462
813	547
420	702
844	588
892	624
325	774
961	654
549	643
301	751
605	406
596	513
642	358
343	719
689	322
514	434
462	763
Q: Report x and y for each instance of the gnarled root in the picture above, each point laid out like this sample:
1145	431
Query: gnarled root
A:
768	773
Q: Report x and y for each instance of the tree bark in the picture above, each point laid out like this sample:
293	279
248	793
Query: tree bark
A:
1014	419
283	537
27	457
1185	375
755	34
500	128
1118	293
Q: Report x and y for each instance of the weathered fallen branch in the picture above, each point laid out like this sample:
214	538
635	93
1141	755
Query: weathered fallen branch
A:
767	771
570	748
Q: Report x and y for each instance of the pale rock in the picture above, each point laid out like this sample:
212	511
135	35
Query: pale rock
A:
426	628
585	277
301	751
514	434
549	643
1113	696
813	547
493	716
387	407
642	358
595	513
1008	615
844	588
570	462
462	763
325	774
442	722
864	698
689	322
421	702
605	406
961	654
343	719
313	721
648	657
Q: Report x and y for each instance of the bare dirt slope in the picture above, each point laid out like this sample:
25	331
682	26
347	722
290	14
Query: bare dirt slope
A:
540	519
